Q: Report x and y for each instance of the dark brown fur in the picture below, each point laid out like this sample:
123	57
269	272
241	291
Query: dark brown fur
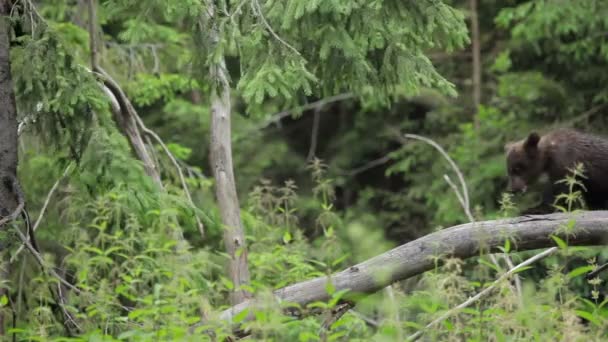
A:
553	154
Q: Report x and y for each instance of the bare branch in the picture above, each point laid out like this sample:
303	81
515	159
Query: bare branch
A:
465	191
369	165
182	179
313	105
370	322
485	291
597	271
125	119
583	116
43	210
466	209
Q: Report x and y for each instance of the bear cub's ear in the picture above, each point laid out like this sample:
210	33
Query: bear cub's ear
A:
531	142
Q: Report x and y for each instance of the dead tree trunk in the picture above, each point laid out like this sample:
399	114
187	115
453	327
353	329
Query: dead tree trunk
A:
463	241
221	164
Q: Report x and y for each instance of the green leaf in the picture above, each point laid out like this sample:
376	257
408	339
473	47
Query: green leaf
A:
286	237
238	318
588	316
227	283
3	300
560	243
489	264
579	271
507	246
329	287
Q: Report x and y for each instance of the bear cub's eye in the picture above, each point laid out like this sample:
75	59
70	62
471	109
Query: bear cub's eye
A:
517	169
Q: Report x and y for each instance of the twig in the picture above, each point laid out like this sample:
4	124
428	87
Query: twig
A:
182	179
369	321
313	105
333	316
391	296
485	291
518	287
31	246
13	215
465	191
257	9
583	116
369	165
41	262
466	209
595	272
43	210
67	314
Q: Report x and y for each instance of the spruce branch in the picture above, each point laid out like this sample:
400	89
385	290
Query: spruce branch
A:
257	10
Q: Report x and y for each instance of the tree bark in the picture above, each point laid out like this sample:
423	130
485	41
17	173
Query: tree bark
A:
221	164
127	124
8	143
463	241
8	118
225	187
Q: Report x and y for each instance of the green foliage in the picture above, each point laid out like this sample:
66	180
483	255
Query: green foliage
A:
54	88
291	49
571	38
136	252
146	89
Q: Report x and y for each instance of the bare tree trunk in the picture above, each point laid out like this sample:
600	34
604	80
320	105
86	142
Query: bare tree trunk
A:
225	187
221	164
476	59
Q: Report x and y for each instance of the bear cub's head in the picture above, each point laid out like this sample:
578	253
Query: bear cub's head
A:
524	162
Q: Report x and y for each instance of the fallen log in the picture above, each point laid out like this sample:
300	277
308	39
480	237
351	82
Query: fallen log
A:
585	228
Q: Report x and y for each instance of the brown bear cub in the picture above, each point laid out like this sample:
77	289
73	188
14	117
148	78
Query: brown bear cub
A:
554	154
